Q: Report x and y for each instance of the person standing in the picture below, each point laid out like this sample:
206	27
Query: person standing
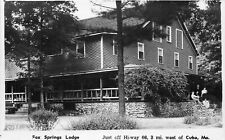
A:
204	92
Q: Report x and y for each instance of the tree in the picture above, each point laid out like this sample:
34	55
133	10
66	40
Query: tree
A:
205	28
120	59
36	28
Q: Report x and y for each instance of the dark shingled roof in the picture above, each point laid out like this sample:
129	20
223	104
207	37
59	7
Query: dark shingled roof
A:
102	23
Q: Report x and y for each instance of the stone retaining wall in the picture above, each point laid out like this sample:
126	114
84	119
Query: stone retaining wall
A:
136	109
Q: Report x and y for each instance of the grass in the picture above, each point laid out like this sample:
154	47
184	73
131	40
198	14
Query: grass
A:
16	122
10	127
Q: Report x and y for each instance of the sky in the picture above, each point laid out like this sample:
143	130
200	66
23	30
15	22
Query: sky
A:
86	8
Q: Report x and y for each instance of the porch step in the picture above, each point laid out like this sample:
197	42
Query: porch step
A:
24	108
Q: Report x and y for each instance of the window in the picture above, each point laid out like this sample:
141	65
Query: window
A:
80	49
169	34
160	55
115	48
157	30
179	38
141	51
190	62
176	59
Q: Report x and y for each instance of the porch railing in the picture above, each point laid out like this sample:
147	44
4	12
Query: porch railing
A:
15	97
88	94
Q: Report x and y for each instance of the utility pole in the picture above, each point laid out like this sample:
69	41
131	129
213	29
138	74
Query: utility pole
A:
120	61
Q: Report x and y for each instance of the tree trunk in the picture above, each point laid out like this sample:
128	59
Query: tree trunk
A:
41	65
42	92
28	82
120	60
41	83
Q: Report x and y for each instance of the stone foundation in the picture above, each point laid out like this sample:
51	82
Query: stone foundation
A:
136	109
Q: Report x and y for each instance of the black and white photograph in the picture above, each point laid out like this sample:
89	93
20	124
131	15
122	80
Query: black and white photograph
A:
112	65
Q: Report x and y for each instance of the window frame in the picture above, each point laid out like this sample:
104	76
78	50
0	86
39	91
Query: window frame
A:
160	28
169	36
143	45
160	49
84	46
190	62
176	53
182	39
114	48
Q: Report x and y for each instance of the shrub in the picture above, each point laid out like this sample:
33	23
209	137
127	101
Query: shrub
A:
190	119
172	109
177	109
55	107
103	121
154	82
203	116
42	119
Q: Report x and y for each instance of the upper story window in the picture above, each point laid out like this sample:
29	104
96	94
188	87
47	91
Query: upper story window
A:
160	55
141	52
80	49
157	30
190	62
176	59
169	34
115	47
179	38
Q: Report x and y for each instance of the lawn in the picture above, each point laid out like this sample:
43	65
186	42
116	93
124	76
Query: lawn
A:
20	122
16	122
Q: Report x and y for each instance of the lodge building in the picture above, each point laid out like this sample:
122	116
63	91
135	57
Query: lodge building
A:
92	75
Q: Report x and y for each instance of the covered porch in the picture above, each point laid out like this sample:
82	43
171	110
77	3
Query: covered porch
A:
15	91
84	87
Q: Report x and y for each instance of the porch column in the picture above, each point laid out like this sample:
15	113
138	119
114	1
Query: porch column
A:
12	93
60	93
25	90
100	80
82	89
45	95
142	96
